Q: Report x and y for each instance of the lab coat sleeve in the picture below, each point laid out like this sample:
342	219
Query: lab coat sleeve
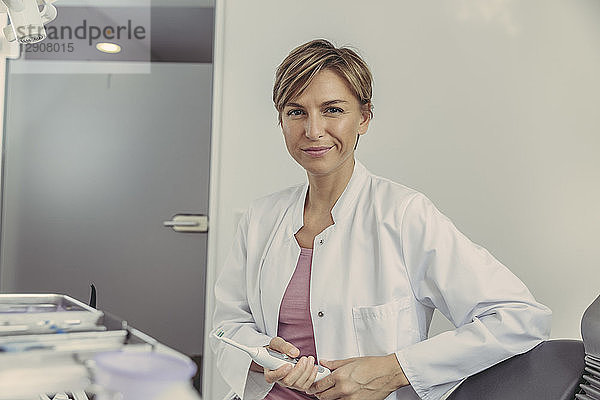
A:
495	315
234	316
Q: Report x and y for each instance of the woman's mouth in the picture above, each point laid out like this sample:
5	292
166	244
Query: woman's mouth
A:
317	151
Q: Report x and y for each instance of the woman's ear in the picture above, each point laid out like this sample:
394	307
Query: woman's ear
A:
366	119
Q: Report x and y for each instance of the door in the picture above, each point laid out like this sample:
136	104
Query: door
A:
93	166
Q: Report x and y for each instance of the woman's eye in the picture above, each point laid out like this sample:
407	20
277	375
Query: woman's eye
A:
294	113
333	110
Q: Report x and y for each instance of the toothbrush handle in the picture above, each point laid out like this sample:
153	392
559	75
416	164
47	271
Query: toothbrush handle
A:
268	361
322	373
271	362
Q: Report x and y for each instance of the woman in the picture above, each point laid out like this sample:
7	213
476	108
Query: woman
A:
348	268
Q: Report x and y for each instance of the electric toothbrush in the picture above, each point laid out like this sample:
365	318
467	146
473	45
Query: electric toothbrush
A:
268	358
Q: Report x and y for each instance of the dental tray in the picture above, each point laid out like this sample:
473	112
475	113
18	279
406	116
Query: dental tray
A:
51	362
26	314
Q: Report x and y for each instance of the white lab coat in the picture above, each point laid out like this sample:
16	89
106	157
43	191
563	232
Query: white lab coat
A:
378	273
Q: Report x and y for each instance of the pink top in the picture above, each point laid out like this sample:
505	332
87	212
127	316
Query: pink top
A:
295	323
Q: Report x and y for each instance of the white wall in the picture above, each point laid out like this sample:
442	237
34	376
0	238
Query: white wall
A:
489	107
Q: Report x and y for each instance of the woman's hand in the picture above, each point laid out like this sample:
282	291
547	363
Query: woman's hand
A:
299	377
364	378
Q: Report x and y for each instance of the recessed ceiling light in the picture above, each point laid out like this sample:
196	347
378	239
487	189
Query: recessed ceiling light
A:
109	48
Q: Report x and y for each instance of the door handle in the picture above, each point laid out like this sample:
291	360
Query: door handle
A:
180	223
188	223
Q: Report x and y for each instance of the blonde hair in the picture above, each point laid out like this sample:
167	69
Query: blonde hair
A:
298	69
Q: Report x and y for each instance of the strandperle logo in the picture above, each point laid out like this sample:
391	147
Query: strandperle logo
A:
89	32
92	32
74	39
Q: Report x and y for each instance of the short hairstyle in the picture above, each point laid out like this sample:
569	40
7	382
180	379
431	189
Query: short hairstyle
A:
298	69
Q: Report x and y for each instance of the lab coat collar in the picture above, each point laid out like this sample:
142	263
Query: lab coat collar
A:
344	203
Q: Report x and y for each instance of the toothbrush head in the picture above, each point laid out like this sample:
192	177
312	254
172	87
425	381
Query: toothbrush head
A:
250	350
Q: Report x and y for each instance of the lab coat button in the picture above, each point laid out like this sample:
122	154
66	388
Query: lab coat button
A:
320	313
321	241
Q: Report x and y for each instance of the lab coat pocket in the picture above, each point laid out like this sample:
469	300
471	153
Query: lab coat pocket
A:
385	328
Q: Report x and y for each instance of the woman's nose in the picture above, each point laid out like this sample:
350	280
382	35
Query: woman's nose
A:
314	128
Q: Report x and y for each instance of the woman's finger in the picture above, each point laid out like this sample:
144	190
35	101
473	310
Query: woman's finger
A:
306	372
322	385
313	375
280	345
272	376
293	376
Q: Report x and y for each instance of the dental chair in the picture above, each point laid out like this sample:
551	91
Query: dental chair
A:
553	370
590	332
550	371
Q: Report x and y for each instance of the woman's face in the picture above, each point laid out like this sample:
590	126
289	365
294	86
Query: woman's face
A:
321	125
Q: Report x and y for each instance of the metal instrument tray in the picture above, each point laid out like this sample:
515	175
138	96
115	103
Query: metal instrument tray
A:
45	313
31	364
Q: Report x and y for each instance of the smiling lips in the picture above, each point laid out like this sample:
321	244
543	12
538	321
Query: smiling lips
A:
317	151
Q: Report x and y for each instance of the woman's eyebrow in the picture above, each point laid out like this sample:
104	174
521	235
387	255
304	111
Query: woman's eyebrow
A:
330	102
324	104
294	105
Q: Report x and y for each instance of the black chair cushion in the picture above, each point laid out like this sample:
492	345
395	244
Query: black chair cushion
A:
550	371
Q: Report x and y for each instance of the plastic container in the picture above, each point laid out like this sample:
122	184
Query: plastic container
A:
141	375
